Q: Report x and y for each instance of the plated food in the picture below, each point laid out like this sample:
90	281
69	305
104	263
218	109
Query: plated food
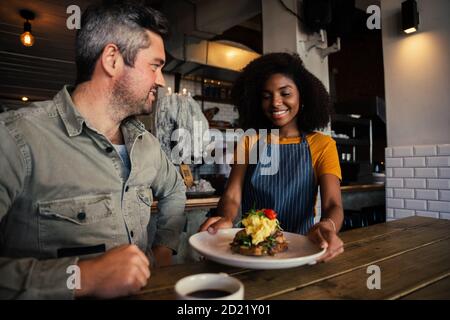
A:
216	247
262	235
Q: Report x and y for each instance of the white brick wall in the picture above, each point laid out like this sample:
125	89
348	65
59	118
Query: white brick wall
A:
425	172
444	149
415	183
444	195
391	182
389	192
403	193
438	161
402	152
404	173
395	203
444	172
418	181
389	173
416	204
438	183
425	150
402	213
394	162
390	213
445	216
427	194
414	162
428	214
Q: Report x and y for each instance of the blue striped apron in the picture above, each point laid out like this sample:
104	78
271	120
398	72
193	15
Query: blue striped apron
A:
291	192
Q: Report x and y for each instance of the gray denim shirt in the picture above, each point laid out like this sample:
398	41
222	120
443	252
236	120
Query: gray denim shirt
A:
63	196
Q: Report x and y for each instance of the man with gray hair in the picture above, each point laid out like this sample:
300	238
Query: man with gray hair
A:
79	172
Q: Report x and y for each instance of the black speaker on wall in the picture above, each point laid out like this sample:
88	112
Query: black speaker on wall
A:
335	16
343	17
317	14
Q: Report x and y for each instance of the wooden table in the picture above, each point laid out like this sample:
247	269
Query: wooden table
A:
413	255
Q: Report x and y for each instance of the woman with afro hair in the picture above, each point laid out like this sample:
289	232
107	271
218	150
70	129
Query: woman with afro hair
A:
275	91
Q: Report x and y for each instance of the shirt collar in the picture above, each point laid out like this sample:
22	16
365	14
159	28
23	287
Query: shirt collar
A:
73	120
132	129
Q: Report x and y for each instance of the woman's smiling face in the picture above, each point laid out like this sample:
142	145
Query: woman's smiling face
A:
281	101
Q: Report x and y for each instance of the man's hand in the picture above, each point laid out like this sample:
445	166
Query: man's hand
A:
215	223
324	235
119	272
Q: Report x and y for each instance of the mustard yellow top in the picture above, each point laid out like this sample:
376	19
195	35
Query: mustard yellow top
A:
324	155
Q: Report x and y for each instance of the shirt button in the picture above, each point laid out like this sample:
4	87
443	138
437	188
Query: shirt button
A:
81	215
132	233
140	137
109	149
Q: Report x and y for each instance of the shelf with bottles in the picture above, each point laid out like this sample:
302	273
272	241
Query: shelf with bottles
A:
211	90
353	136
351	129
353	153
351	133
212	99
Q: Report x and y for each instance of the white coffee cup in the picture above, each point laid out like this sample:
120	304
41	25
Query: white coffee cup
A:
209	286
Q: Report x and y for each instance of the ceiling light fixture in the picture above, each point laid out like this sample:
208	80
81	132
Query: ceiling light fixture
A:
26	37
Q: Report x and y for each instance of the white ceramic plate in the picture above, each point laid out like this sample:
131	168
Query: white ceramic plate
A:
217	248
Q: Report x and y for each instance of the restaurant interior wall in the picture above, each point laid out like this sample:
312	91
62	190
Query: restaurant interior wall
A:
417	77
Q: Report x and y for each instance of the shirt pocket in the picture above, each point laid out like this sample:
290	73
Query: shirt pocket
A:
74	222
145	200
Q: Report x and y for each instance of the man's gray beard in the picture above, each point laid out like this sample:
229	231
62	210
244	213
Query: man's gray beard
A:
123	103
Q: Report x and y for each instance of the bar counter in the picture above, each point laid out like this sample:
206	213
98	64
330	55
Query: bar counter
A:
212	201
